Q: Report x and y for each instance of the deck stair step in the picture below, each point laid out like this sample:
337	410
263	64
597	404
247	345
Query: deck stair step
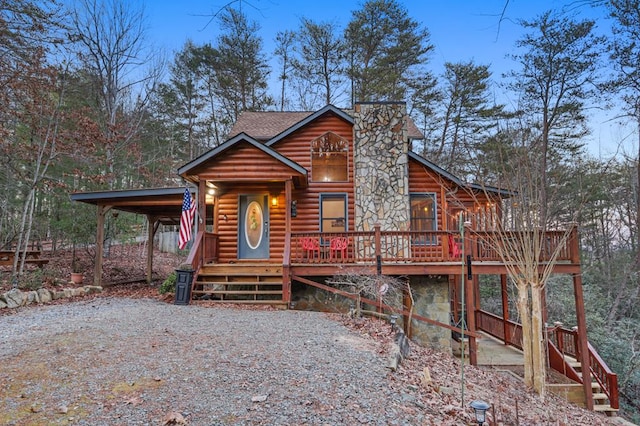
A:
239	283
606	408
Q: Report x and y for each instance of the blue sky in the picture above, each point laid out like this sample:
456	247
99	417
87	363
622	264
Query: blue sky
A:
461	30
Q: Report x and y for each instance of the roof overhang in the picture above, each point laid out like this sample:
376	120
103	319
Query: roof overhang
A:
163	204
489	190
190	170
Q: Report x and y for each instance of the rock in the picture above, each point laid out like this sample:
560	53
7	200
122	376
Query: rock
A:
15	298
2	304
92	289
78	291
259	398
44	295
32	297
446	390
58	295
174	418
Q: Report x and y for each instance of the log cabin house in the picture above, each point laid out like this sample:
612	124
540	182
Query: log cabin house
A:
292	198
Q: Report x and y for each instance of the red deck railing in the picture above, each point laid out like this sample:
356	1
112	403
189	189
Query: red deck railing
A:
566	341
416	246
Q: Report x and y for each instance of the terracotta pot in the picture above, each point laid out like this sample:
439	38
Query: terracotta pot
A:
76	277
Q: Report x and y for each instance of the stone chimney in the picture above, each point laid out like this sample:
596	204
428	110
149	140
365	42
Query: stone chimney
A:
381	171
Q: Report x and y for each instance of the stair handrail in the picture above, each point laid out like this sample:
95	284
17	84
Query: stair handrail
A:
566	341
558	362
607	379
195	257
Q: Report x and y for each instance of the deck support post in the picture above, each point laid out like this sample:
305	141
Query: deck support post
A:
377	241
152	226
505	306
471	318
582	340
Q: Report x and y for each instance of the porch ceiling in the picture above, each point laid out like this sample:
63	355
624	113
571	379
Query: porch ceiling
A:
164	204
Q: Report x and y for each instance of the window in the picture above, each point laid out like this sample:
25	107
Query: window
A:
333	212
423	216
329	158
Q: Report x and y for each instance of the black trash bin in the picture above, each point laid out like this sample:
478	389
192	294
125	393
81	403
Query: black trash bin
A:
183	286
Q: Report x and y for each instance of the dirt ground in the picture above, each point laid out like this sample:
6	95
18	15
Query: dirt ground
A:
123	270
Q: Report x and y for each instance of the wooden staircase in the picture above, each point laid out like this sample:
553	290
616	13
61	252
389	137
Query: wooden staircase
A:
601	401
239	283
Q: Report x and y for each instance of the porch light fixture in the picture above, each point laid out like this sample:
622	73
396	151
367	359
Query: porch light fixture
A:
480	408
274	201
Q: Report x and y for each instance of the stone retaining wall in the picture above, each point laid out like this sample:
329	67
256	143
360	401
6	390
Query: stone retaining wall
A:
16	298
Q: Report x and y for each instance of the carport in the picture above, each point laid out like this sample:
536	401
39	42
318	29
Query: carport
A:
161	206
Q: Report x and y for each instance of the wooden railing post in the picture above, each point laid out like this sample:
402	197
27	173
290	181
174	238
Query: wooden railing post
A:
574	244
378	242
559	337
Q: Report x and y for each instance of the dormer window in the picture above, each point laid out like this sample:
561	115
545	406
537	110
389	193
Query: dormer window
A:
329	154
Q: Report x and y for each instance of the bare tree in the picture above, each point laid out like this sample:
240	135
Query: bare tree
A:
111	37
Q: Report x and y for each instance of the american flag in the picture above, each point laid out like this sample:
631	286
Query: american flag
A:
186	219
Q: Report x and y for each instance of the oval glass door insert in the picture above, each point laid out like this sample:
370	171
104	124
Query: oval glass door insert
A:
253	223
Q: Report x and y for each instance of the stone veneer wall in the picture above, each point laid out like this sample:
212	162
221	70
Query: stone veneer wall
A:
381	171
431	299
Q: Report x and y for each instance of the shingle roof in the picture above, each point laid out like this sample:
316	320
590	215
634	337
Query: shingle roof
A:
264	125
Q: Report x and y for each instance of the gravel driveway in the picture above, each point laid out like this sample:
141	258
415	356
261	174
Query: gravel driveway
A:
113	361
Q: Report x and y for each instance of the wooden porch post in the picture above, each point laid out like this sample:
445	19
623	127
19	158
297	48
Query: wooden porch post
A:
216	213
286	273
202	204
582	340
505	305
377	241
151	231
97	271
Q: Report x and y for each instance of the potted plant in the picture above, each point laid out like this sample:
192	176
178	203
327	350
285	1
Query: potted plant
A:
184	278
76	276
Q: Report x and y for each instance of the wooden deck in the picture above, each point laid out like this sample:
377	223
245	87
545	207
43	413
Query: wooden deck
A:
493	352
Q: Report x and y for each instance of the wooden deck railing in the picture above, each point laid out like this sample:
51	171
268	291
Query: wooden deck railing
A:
566	340
416	246
508	331
562	341
204	250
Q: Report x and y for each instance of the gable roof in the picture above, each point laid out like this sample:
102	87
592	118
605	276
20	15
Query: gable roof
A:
268	125
264	125
327	109
242	137
442	172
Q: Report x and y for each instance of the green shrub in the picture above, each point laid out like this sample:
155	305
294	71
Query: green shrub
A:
31	280
169	285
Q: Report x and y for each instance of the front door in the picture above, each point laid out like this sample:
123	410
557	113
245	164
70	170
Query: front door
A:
253	227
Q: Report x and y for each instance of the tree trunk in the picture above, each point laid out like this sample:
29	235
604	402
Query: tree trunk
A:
538	361
525	317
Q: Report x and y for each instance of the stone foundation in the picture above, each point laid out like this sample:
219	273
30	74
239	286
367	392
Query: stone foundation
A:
431	300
